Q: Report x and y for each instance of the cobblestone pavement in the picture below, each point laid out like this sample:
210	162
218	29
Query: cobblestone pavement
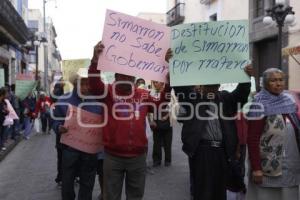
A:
28	173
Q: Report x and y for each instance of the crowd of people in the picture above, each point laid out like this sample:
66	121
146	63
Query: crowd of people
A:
17	116
215	144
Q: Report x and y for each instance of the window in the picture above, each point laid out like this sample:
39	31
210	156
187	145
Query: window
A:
33	24
260	8
213	17
178	1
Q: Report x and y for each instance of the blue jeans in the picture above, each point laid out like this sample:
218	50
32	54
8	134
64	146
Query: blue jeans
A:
15	129
7	132
76	163
1	136
28	123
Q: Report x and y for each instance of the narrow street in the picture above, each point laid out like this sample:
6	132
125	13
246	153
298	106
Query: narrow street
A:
28	173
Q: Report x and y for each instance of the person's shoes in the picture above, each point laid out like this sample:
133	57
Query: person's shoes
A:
156	164
3	148
26	137
167	164
149	170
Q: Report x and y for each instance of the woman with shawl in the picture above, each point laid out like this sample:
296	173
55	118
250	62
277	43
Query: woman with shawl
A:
273	142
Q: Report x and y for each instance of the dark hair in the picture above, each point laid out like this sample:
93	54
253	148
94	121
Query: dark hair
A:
140	79
13	87
3	91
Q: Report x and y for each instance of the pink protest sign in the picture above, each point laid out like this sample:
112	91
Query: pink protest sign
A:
84	131
134	46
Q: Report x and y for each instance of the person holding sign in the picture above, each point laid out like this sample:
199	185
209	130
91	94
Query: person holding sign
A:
77	156
209	137
124	137
28	104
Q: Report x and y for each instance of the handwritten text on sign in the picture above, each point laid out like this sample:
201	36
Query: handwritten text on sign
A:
209	53
84	131
134	46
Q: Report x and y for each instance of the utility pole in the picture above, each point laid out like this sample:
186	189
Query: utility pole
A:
45	48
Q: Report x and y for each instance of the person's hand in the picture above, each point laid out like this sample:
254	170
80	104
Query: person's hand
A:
166	117
249	70
257	176
168	55
153	125
97	51
33	115
62	129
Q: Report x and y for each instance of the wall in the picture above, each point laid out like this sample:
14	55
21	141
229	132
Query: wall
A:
159	18
197	12
294	40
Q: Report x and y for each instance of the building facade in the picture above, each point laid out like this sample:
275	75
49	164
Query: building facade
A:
47	47
54	57
263	39
293	41
13	36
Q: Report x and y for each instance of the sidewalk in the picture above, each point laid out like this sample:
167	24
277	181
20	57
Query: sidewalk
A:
10	145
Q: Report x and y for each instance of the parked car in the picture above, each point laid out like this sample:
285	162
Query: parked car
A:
296	95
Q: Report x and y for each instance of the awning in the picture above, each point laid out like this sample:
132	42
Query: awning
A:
292	51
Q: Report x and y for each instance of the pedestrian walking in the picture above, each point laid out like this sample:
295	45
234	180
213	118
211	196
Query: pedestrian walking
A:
57	92
43	107
29	114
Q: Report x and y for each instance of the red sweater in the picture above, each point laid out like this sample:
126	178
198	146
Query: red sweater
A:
125	138
40	105
255	130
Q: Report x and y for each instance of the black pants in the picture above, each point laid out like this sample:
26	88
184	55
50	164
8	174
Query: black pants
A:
191	177
209	171
46	121
58	147
73	160
100	175
59	165
162	139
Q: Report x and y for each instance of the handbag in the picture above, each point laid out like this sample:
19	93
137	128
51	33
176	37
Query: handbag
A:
8	121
